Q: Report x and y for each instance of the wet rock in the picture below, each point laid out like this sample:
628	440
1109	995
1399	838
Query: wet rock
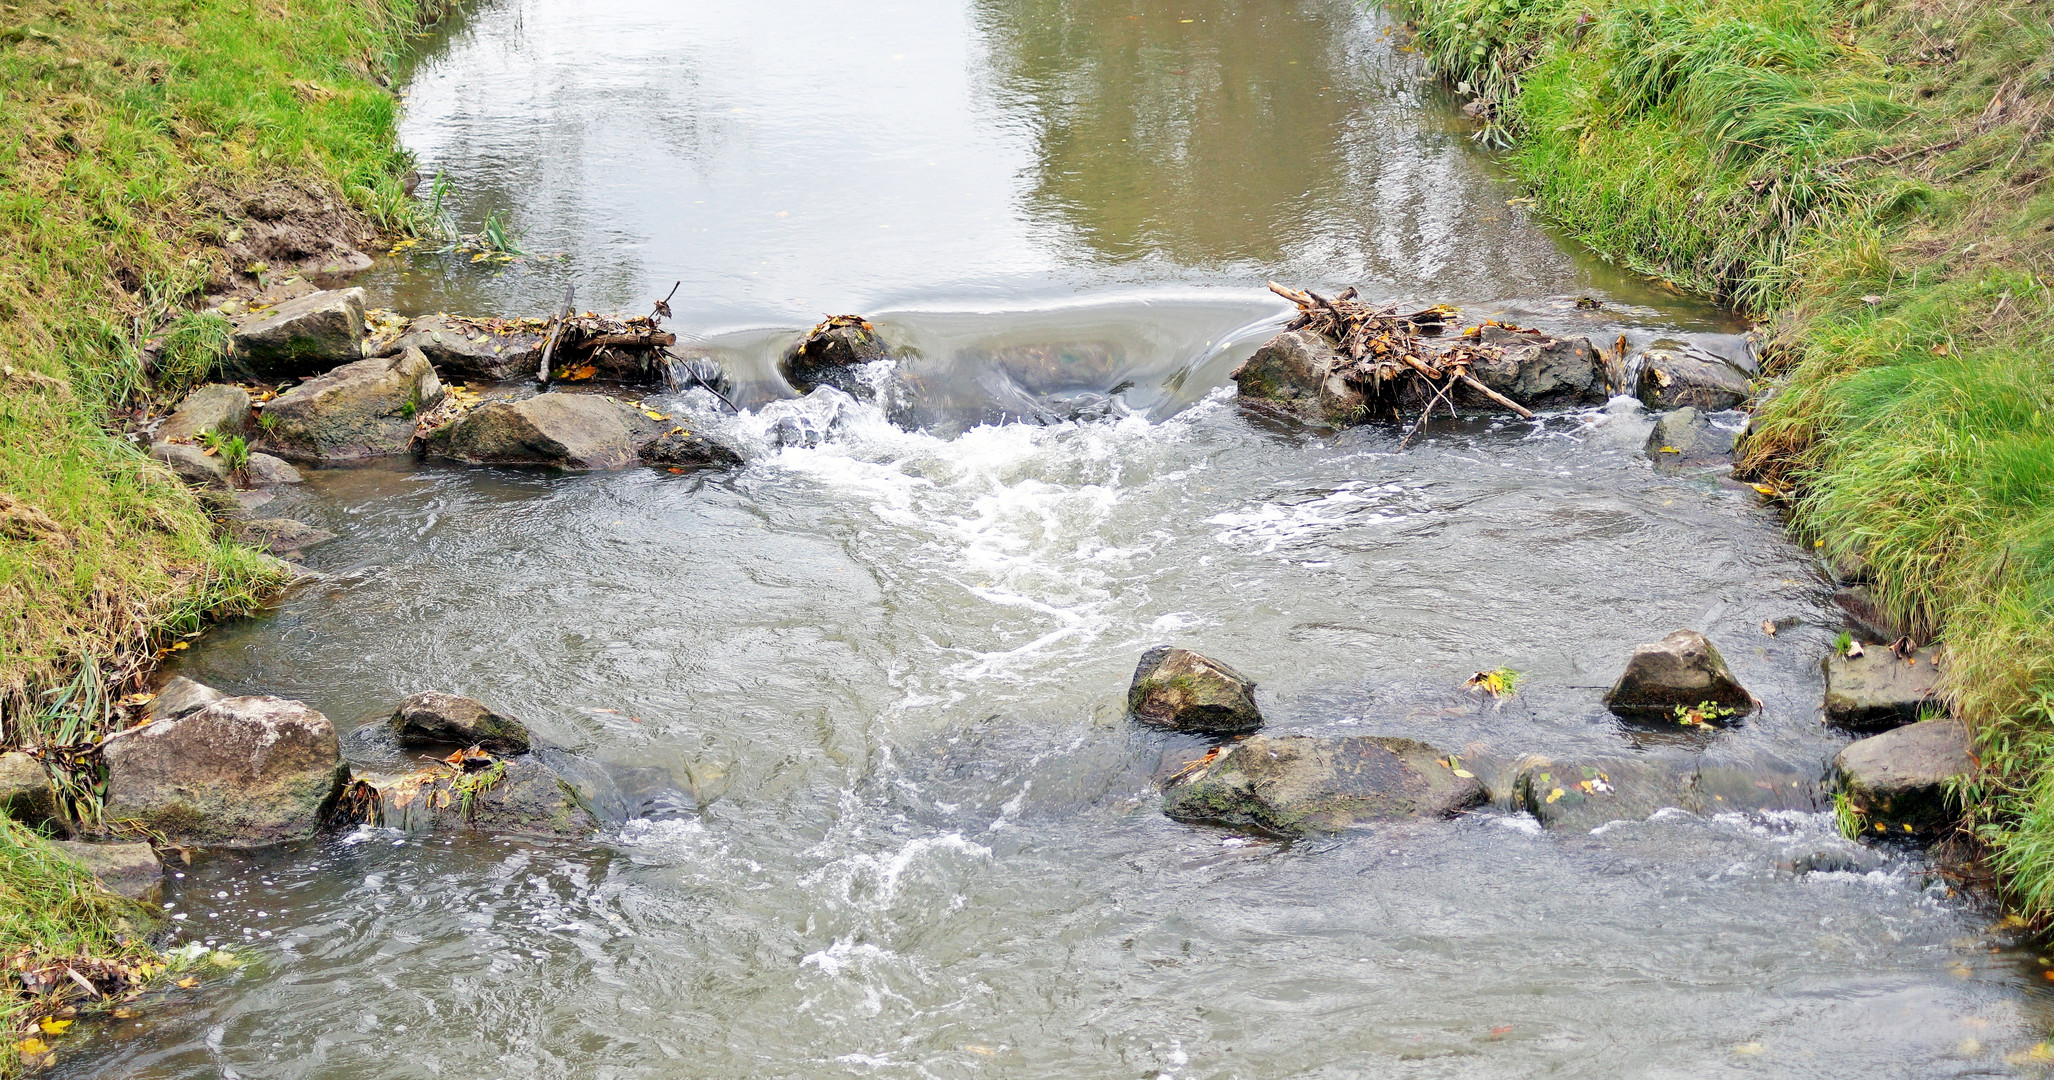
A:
1877	690
1683	669
1180	690
1292	374
437	719
1583	795
267	471
242	772
182	697
569	431
25	791
130	870
1684	437
312	333
465	350
681	449
1296	784
365	409
215	407
1899	778
192	464
833	354
531	797
282	537
1537	371
548	791
1671	378
1865	614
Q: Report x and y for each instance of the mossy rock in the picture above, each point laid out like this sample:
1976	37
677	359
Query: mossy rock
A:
1181	690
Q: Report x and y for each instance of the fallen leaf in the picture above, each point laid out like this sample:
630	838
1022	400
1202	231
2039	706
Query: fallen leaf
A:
1768	628
1853	649
654	415
52	1026
1555	794
1764	489
33	1046
177	645
1670	450
1465	774
187	983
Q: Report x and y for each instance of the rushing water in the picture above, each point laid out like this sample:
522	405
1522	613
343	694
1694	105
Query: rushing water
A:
891	668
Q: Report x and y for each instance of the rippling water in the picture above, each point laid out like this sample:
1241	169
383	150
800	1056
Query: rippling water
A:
891	668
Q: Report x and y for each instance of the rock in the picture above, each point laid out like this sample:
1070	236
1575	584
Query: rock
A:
832	355
1900	777
464	350
242	772
1877	691
1287	376
682	449
1684	437
312	333
25	791
1537	371
192	464
182	697
1580	796
283	537
1180	690
130	870
360	410
438	719
1865	614
569	431
214	407
1682	669
548	791
1671	378
267	471
1296	784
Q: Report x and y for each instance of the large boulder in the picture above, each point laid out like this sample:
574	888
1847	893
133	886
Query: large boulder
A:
1293	374
1684	437
1537	371
1671	378
1879	690
569	431
431	718
312	333
1180	690
242	772
192	464
1683	669
130	870
1295	784
499	351
365	409
215	407
832	355
1898	780
679	450
1576	796
25	791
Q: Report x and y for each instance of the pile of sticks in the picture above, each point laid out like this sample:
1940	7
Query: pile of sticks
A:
1382	352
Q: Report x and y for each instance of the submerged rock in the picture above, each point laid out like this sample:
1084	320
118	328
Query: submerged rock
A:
365	409
1537	371
832	354
282	537
215	407
130	870
1293	374
1582	795
431	718
1672	378
547	791
1878	690
1899	778
312	333
1683	669
1293	784
1684	437
192	464
465	350
242	772
1180	690
568	431
25	791
681	449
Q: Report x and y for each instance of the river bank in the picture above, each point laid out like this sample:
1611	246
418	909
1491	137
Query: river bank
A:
1869	181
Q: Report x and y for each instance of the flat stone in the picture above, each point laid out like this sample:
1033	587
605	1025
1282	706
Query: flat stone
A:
1293	784
192	464
1878	690
1899	778
1683	669
1685	437
243	772
311	333
25	791
463	350
1288	376
182	697
130	870
1672	378
365	409
1183	691
267	471
283	537
681	449
1537	371
568	431
215	407
437	719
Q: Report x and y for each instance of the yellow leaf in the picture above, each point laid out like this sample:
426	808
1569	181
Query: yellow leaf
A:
180	645
33	1046
188	983
53	1027
654	415
1763	488
1670	450
1555	794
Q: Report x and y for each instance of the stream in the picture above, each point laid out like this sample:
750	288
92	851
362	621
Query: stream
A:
890	668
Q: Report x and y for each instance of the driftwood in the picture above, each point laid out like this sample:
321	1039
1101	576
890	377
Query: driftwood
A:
570	293
1383	350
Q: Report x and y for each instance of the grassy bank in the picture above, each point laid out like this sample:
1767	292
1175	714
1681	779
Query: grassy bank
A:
135	132
1870	178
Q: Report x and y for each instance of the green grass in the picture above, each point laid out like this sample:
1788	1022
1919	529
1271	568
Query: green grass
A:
51	910
1868	177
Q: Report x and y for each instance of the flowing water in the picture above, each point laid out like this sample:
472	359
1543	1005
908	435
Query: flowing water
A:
890	668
